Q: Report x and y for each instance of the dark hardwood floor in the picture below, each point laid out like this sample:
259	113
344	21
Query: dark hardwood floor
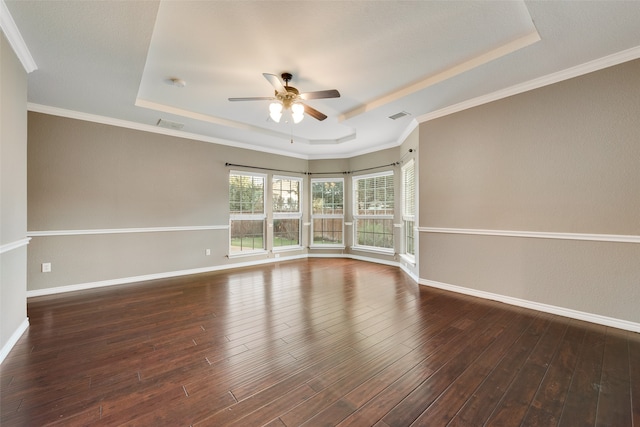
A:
314	342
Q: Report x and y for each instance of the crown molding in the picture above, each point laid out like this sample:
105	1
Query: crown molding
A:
70	114
15	39
569	73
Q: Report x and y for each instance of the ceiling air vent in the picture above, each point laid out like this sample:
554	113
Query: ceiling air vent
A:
398	115
169	124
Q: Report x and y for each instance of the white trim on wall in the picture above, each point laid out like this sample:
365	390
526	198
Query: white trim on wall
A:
15	39
93	118
561	311
124	230
579	70
13	339
142	278
14	245
169	274
535	234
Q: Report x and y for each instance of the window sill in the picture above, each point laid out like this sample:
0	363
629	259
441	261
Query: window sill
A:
411	260
247	254
287	249
341	247
373	249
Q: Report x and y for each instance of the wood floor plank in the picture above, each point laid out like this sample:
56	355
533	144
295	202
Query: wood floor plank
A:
410	408
582	399
547	405
437	352
311	342
457	393
614	400
354	376
520	393
634	375
485	398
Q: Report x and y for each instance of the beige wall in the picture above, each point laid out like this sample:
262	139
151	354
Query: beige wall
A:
13	183
85	176
88	176
561	159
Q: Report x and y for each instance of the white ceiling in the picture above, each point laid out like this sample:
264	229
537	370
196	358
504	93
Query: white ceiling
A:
111	61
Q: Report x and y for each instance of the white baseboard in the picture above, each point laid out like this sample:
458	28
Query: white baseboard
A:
561	311
169	274
13	339
143	278
357	257
409	272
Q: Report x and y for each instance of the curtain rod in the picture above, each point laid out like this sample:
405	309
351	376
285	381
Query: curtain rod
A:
265	169
324	173
314	173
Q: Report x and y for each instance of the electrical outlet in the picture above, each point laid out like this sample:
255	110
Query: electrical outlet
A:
207	252
277	255
46	267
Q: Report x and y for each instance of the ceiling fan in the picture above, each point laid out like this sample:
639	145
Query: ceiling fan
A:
288	97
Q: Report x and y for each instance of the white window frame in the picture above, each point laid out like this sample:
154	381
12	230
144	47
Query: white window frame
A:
289	214
315	216
249	217
357	216
408	208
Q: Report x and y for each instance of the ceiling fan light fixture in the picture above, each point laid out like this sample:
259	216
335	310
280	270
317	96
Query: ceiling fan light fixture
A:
275	111
297	112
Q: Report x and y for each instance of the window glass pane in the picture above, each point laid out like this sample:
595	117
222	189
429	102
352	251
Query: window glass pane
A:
327	231
374	195
373	199
327	197
286	195
409	239
327	213
247	235
246	194
374	232
286	232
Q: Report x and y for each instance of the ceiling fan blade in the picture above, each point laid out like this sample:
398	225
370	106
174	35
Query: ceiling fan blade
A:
314	113
331	93
275	82
255	98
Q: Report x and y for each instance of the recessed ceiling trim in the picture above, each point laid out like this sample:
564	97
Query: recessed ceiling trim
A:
238	125
212	119
448	73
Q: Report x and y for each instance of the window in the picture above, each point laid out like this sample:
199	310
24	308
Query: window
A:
287	212
409	208
373	211
247	212
327	212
